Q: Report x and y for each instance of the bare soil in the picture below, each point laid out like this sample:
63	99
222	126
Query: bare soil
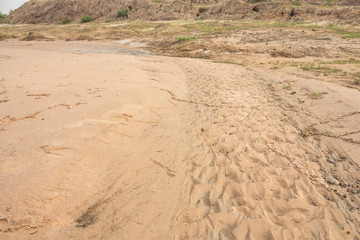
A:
180	130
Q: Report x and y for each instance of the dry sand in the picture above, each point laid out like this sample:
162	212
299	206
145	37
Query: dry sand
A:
98	145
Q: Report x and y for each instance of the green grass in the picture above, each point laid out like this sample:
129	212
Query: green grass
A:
356	81
270	84
86	19
65	21
173	29
287	87
122	13
343	61
348	34
226	61
329	2
318	68
316	95
187	38
296	3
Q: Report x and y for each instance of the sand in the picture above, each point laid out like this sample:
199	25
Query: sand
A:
101	145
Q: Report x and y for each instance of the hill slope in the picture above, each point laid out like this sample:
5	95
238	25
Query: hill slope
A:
53	11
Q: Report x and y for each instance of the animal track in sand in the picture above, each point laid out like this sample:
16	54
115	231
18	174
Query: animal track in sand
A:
53	149
314	132
19	225
7	120
39	95
169	171
175	98
4	57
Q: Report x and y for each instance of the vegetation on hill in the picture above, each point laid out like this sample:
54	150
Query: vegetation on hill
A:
53	11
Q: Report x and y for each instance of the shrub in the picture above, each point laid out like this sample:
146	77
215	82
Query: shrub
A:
65	21
2	15
87	19
329	2
122	13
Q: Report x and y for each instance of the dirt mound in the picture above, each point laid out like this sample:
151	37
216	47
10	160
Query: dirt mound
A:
51	11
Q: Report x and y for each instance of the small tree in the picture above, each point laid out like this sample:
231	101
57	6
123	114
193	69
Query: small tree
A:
122	13
2	15
87	19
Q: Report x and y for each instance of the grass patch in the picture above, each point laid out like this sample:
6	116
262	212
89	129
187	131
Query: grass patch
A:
226	61
329	2
286	87
356	81
86	19
316	95
187	38
65	21
345	32
318	68
296	3
348	34
270	84
356	74
343	61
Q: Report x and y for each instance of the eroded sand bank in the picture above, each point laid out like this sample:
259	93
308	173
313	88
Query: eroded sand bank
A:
98	145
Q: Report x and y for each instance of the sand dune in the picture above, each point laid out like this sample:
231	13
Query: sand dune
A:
96	145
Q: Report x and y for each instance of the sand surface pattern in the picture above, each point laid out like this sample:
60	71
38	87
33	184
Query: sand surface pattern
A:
101	145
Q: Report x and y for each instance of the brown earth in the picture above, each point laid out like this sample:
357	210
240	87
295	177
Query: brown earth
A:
103	139
53	11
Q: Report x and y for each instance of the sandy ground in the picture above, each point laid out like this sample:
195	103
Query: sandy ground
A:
105	144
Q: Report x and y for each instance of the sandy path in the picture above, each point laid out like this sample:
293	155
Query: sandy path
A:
106	146
89	131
